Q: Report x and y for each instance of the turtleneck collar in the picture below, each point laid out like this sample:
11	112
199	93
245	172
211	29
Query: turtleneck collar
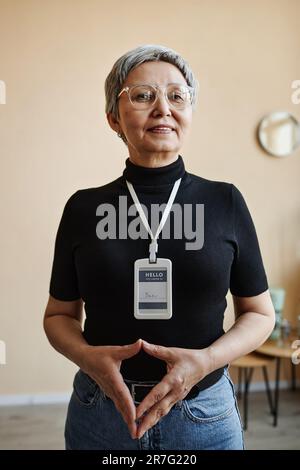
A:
159	176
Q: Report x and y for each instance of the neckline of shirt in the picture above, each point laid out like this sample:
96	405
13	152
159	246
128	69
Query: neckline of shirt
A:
158	179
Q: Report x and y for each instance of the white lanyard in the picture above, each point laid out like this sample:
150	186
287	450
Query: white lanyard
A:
153	247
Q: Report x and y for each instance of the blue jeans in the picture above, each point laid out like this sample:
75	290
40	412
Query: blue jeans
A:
211	420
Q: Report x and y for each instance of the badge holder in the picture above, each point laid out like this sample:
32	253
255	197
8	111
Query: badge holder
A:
153	289
153	276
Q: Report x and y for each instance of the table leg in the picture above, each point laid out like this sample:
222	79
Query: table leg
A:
269	395
276	395
245	399
293	375
239	390
248	376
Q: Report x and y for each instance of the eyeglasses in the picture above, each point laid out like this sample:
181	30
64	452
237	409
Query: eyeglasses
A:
144	96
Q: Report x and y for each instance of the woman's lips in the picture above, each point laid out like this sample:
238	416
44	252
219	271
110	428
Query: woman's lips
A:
161	130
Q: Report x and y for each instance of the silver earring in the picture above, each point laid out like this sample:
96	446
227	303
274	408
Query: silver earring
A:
122	136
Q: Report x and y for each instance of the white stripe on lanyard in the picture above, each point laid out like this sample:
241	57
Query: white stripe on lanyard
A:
153	247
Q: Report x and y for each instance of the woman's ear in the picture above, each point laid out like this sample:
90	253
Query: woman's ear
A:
113	122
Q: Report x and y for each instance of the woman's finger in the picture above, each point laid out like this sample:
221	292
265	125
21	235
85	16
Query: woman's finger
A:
126	408
156	394
161	352
129	350
156	413
123	401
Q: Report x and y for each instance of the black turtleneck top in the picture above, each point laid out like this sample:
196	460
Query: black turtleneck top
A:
101	271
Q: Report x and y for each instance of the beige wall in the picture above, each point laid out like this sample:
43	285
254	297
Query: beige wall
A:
54	57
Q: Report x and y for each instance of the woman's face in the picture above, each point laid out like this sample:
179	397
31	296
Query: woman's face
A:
135	124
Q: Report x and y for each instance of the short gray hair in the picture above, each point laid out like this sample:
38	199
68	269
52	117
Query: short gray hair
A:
135	57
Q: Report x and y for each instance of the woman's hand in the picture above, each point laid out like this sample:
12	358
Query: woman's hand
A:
103	363
185	367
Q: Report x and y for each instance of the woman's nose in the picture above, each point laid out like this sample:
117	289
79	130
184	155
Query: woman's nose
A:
161	105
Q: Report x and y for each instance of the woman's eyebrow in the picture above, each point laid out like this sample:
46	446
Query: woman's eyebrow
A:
156	84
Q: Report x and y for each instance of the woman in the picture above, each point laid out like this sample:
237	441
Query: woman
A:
154	375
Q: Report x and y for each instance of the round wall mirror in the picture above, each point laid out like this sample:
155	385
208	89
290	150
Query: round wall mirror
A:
279	133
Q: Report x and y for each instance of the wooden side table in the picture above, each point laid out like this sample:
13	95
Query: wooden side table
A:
279	349
246	365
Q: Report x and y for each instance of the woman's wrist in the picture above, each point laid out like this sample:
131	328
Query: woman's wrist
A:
208	360
82	355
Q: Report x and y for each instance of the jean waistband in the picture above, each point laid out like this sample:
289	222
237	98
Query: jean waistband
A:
139	389
206	382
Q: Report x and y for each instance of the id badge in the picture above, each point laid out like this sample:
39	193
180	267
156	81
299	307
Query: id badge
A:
153	289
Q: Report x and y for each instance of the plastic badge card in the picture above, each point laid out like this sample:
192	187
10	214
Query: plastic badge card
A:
153	289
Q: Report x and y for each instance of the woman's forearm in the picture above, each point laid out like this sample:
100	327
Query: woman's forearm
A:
65	335
249	331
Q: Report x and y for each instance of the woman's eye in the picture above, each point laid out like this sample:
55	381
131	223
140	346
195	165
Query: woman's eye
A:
177	96
143	97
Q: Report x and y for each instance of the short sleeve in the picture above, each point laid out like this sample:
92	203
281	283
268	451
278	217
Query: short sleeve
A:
248	277
63	281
